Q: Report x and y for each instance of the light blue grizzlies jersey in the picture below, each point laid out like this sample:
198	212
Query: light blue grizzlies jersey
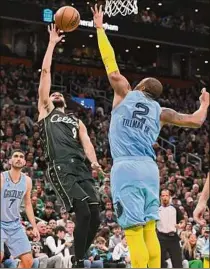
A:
11	197
135	126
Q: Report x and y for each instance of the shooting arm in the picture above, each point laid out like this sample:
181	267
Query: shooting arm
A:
195	120
118	82
45	78
86	143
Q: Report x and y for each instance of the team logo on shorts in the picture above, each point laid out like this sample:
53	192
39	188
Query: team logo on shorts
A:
118	209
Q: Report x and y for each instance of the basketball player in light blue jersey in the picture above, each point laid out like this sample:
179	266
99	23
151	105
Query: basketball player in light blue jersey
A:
15	188
135	125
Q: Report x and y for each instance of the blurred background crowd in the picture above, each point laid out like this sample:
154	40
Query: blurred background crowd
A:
183	177
182	154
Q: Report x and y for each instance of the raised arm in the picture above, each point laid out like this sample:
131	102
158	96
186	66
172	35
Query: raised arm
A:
44	103
118	82
195	120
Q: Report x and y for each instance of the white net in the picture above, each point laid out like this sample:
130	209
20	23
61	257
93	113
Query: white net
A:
123	7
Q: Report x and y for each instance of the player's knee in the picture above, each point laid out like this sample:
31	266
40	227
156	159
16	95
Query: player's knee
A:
82	211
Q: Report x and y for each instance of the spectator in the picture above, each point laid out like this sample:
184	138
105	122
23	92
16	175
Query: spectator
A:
58	246
202	239
190	207
64	217
110	219
48	212
191	258
121	253
116	237
52	223
101	252
70	231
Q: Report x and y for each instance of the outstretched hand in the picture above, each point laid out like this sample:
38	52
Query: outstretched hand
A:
98	15
198	214
204	97
54	33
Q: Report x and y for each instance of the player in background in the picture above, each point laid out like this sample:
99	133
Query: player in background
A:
135	125
15	188
202	203
66	142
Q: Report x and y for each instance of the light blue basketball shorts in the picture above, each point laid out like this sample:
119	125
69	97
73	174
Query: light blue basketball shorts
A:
14	236
135	190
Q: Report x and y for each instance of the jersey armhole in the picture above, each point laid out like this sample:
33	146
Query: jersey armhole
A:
46	116
115	108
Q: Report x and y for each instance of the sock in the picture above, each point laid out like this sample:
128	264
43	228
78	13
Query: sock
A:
82	213
206	263
137	247
94	224
153	245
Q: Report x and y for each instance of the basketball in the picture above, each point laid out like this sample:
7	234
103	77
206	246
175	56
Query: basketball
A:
67	18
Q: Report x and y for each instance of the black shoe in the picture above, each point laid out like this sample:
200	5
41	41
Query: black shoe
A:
78	264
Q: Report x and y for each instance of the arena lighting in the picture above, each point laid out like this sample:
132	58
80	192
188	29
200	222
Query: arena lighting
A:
157	46
83	46
91	36
148	8
160	4
72	4
206	62
198	69
88	3
138	47
127	50
196	10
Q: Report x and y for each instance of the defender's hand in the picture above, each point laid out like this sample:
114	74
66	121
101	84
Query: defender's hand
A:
198	214
54	34
36	234
98	15
204	98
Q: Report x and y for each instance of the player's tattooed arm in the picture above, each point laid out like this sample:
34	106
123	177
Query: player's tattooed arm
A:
195	120
170	116
44	102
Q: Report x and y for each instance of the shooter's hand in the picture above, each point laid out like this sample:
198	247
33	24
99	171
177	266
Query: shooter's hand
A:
198	213
98	15
54	34
204	98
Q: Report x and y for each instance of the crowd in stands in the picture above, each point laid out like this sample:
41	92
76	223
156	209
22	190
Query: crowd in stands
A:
18	129
172	21
177	20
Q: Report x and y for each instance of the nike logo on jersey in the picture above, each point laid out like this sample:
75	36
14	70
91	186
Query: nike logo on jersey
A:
65	119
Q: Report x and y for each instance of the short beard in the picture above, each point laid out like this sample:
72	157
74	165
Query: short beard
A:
58	104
